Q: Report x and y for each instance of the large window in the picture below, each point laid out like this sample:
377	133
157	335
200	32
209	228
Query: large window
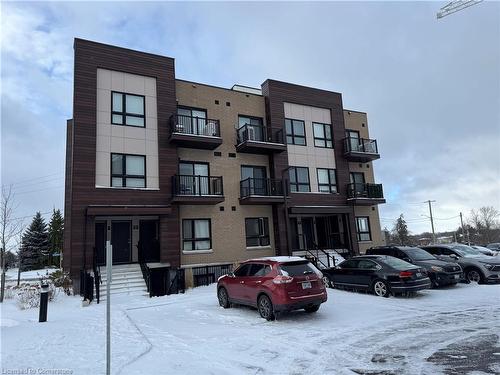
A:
363	228
257	231
327	180
322	135
193	178
127	109
295	132
250	128
128	170
299	179
196	234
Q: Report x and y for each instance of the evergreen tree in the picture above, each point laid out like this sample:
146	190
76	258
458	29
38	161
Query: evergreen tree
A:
401	231
56	232
35	244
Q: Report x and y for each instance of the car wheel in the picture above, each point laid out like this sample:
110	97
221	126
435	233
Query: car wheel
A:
380	288
265	307
223	298
311	309
328	282
474	275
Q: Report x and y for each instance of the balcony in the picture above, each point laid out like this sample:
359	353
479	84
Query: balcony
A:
261	191
259	139
365	194
195	132
360	149
189	189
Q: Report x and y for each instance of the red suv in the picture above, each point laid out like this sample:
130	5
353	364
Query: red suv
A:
273	285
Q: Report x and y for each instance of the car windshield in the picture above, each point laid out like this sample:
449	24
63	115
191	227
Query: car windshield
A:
466	251
418	254
297	268
398	264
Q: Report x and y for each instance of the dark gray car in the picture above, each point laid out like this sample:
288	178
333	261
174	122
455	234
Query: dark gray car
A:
477	267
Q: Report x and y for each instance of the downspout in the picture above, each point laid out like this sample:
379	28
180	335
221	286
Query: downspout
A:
285	201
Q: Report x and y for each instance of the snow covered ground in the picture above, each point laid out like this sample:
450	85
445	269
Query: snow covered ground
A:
35	275
446	331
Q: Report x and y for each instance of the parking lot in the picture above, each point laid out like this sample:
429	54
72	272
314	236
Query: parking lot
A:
452	330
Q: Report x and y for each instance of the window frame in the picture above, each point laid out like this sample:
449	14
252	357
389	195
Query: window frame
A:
124	175
194	239
359	233
329	185
124	113
293	135
296	183
325	139
263	225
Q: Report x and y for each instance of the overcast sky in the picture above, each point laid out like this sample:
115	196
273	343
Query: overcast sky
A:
431	88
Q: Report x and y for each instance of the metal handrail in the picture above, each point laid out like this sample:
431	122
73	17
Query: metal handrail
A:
97	275
197	185
366	190
259	133
193	125
261	186
365	145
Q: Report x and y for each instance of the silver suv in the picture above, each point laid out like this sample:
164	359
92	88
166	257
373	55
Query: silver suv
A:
477	267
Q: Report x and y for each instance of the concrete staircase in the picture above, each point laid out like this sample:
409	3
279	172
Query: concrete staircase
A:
126	279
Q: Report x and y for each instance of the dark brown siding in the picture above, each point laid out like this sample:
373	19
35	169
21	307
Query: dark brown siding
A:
67	195
80	188
277	93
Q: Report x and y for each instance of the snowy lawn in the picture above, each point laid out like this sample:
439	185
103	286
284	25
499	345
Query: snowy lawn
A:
35	275
446	331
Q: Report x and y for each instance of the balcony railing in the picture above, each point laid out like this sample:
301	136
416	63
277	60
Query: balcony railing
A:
190	125
189	185
372	191
364	145
256	133
266	187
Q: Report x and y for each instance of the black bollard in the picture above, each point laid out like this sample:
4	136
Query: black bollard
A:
44	302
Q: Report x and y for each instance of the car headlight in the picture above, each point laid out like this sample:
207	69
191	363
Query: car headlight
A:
488	266
437	268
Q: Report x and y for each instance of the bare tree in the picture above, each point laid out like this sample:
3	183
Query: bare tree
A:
484	221
9	229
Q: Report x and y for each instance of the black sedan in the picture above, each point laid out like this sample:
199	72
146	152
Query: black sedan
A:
439	271
383	275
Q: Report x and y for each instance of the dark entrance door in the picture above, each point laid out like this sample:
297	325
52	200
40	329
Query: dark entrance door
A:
149	246
100	242
120	239
308	232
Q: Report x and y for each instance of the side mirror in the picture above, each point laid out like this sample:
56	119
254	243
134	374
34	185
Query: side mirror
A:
230	274
406	259
454	256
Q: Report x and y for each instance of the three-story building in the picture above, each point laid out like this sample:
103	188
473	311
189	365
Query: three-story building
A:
184	175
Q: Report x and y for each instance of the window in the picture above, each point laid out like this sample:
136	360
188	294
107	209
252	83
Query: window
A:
299	179
253	180
322	135
257	231
193	178
127	109
194	121
259	270
327	180
242	270
128	170
363	228
299	268
351	263
250	128
196	234
295	132
367	265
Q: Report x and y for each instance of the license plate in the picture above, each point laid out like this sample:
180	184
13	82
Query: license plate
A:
306	285
419	274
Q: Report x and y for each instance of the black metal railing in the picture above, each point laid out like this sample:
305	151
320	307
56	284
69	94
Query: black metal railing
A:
320	258
209	274
97	276
261	186
357	190
257	133
177	283
197	185
194	125
355	144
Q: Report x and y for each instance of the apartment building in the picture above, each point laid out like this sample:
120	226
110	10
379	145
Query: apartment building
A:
185	176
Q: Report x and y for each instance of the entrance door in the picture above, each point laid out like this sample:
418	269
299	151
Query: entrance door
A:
149	246
121	239
354	140
194	178
308	232
257	179
100	242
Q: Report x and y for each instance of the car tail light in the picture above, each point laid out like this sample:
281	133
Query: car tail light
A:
404	274
282	279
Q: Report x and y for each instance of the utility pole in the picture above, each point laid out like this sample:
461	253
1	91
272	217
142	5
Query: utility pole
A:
432	220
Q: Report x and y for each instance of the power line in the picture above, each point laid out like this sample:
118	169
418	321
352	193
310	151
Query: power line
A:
35	191
33	178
